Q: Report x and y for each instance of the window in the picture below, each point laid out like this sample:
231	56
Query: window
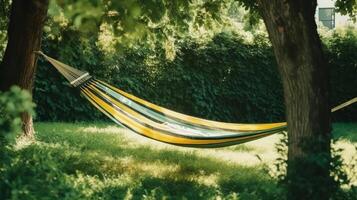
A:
327	17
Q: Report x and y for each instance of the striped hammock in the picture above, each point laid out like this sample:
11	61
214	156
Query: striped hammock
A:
159	123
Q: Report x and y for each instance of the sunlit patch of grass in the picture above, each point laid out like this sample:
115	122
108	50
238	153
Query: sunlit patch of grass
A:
101	161
156	169
241	147
23	142
349	155
210	180
346	136
99	129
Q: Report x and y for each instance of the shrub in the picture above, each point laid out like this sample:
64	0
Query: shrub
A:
227	78
12	104
341	50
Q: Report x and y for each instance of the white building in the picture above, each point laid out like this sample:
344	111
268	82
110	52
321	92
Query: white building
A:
326	15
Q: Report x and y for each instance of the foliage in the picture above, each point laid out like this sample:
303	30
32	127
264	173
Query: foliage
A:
183	76
135	20
280	163
340	51
132	20
342	171
227	78
12	104
59	101
212	72
347	7
224	73
4	13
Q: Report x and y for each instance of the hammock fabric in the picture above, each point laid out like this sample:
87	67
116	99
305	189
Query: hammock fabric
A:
159	123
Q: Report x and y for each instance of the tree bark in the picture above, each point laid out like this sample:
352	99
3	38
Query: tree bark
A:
304	71
18	66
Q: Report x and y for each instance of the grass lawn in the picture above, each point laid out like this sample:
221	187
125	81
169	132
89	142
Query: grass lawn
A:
103	161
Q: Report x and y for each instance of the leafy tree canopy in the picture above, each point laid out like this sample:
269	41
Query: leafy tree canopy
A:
128	21
347	7
161	20
4	13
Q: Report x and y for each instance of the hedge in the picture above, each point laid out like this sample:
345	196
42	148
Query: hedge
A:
225	79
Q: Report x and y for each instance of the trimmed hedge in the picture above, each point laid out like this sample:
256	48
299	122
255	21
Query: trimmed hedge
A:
226	79
341	52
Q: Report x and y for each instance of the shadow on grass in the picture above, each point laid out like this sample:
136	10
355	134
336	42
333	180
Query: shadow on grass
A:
76	165
66	170
347	131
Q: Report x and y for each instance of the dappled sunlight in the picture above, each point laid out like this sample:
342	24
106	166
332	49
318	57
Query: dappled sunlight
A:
349	148
23	142
155	169
90	186
99	159
134	167
106	129
208	180
222	154
195	95
259	152
253	153
106	39
246	159
349	155
264	144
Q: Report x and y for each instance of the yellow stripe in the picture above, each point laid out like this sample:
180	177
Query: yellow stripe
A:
130	111
199	121
155	134
94	104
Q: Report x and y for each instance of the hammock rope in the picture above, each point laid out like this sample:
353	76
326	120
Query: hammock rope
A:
160	123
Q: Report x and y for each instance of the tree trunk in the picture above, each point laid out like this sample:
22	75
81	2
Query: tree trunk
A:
24	37
304	71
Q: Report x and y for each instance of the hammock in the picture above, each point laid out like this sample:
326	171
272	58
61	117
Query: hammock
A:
159	123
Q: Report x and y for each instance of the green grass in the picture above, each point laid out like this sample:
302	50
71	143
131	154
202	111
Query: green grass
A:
346	131
102	161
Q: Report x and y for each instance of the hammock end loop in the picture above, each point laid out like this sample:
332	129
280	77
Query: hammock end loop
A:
39	52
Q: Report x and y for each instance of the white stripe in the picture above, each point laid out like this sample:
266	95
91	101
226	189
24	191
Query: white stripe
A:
79	78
